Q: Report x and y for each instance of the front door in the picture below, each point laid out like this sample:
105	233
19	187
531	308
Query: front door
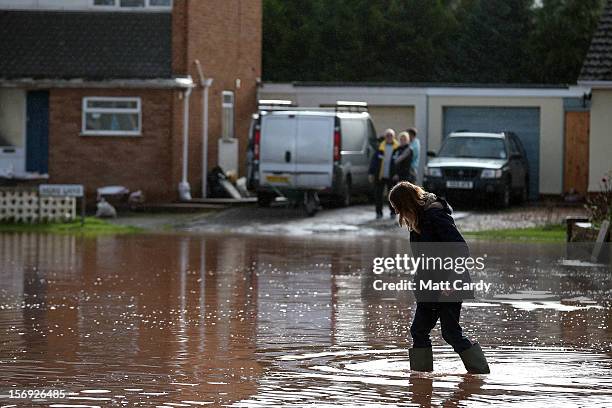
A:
37	132
576	162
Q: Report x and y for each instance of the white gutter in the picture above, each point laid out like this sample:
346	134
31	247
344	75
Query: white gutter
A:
183	187
596	84
370	91
157	83
569	92
206	83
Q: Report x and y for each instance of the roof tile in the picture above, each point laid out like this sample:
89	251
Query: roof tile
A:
88	45
597	65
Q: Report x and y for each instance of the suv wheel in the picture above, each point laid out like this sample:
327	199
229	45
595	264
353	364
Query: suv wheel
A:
503	200
525	192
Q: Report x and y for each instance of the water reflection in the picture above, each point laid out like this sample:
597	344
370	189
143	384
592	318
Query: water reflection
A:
261	321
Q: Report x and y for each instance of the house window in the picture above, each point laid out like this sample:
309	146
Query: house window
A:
104	116
132	3
228	114
162	4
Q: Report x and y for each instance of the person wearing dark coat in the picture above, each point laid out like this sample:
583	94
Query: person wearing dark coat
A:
381	171
402	160
433	234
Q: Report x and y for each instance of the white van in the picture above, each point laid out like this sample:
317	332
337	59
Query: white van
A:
303	152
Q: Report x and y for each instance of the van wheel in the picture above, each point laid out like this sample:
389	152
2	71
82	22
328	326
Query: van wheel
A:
344	198
264	199
311	203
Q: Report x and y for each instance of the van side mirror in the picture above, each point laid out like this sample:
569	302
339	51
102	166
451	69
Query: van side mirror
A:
431	154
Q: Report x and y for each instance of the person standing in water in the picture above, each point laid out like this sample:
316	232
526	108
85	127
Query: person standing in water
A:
433	233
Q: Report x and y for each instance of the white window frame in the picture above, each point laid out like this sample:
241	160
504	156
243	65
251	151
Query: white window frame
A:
232	106
87	110
117	6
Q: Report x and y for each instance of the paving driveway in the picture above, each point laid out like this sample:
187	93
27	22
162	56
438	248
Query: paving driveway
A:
357	219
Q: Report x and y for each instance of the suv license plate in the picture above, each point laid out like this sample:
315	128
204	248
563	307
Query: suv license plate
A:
459	184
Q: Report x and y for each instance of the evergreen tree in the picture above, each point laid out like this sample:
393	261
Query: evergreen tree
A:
561	38
463	41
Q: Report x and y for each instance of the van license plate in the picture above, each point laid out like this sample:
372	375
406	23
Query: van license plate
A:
459	184
278	179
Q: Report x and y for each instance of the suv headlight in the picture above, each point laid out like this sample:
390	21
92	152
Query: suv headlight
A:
433	172
491	173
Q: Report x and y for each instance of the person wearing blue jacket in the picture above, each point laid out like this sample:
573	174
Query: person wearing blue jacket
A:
415	146
433	234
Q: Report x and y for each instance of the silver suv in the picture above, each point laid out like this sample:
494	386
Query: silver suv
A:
479	165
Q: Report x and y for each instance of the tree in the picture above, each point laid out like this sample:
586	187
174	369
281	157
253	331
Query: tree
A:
464	41
561	37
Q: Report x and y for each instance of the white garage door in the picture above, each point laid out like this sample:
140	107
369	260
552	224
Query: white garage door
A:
397	118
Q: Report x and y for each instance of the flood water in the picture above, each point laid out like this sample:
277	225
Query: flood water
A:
245	321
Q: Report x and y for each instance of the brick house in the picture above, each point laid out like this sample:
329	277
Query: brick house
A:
95	91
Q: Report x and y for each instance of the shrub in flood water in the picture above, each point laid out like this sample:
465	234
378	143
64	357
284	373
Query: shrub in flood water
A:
599	205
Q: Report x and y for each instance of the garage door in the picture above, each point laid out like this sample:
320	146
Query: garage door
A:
525	122
397	118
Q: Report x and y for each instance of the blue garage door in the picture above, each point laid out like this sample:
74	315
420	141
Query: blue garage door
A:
525	122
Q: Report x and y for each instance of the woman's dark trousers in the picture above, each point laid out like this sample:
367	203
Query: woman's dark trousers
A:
425	318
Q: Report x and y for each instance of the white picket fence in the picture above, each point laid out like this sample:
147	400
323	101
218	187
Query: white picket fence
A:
20	205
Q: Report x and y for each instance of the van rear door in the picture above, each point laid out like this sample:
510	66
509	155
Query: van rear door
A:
296	150
277	150
314	161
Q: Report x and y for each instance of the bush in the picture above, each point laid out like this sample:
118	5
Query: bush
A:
599	205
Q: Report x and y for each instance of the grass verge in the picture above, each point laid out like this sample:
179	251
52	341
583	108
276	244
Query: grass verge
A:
93	226
547	233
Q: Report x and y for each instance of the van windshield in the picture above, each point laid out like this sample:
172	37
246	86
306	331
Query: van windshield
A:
474	147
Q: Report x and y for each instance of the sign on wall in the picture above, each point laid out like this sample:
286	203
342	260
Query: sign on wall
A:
61	190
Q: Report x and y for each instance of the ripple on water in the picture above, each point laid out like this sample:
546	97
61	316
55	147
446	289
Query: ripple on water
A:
520	375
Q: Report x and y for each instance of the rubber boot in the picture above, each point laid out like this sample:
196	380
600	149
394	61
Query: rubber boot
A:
421	359
474	360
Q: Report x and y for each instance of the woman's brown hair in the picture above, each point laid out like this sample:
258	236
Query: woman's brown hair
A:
408	200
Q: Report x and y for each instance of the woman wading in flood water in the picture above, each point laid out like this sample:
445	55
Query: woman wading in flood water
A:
433	233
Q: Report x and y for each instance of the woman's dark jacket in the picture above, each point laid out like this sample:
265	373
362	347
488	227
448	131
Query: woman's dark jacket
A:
402	160
439	237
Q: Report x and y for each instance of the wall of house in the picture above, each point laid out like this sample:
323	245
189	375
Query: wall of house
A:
600	139
225	36
137	162
551	130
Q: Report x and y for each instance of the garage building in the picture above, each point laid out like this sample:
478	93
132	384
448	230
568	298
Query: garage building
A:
546	118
